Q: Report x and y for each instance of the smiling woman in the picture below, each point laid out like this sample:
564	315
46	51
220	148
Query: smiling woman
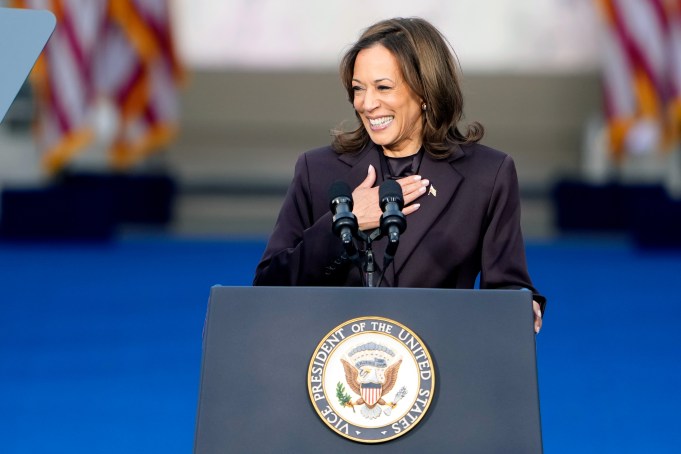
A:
389	109
402	80
412	68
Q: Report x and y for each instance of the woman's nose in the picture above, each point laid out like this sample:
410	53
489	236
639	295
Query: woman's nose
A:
370	100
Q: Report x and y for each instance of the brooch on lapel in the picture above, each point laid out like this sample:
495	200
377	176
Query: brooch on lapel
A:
432	191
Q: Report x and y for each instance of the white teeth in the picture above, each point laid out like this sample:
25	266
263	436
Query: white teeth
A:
380	121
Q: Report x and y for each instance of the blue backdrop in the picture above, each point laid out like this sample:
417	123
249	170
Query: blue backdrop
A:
101	343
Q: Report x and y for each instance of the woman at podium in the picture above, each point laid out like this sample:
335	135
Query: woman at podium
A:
460	198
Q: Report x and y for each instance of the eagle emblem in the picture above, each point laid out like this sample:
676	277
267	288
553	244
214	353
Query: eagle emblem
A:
372	363
371	373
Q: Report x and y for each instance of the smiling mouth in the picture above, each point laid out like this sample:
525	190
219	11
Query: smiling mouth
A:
380	123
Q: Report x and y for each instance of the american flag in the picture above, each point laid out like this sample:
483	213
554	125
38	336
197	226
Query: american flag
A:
642	74
117	52
371	392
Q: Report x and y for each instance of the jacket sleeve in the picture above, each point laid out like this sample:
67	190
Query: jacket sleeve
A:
504	264
301	250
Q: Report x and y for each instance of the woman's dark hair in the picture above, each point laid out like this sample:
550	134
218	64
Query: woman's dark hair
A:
430	69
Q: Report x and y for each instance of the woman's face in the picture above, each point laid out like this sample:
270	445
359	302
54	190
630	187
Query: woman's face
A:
389	109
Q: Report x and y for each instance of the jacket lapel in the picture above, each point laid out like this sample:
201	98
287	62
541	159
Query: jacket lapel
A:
359	163
444	181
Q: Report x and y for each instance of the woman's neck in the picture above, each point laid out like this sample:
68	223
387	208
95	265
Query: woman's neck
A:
410	149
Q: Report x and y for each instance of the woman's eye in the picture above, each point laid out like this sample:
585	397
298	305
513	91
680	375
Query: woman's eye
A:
383	88
356	88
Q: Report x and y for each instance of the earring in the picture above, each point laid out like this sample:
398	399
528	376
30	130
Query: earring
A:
423	106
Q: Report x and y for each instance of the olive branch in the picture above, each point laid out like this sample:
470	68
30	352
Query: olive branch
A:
343	397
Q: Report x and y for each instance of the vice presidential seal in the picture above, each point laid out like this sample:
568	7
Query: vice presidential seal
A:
371	379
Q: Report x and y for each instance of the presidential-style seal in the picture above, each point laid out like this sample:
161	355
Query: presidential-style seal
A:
371	379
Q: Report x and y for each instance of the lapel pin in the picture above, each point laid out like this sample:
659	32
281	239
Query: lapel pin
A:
432	191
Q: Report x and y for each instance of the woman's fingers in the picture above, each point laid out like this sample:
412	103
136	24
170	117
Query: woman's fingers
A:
413	187
370	178
411	208
537	316
366	203
365	198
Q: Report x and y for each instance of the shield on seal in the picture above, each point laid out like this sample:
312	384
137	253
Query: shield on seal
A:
371	392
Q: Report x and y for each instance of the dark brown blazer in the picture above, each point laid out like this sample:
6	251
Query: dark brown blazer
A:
468	225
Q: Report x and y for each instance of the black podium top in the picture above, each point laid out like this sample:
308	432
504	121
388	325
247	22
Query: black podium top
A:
258	343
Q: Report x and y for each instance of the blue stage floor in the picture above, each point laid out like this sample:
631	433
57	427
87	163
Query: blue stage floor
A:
101	344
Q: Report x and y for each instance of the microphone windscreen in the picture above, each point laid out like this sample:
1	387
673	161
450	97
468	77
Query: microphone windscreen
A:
390	190
339	189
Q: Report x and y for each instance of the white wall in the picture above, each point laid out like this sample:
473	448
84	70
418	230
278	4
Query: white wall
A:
488	35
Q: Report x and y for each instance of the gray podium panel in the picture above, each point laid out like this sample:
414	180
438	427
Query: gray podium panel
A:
23	34
258	342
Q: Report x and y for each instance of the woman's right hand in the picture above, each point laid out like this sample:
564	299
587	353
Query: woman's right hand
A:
365	198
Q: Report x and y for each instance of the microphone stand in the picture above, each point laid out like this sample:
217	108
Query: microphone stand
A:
393	221
386	263
392	224
369	265
354	256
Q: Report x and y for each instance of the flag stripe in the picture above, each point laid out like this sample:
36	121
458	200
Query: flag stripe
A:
120	50
641	74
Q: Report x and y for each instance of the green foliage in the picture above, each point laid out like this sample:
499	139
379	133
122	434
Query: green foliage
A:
343	397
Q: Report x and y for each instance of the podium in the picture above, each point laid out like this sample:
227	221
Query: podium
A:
258	345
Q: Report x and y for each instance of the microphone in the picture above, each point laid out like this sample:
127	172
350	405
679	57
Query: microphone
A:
344	220
393	222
